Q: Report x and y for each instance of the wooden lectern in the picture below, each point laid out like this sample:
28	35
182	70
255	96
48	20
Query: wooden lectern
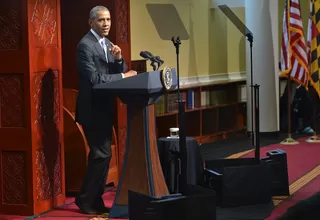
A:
141	169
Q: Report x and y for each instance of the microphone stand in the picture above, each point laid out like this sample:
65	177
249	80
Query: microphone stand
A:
250	39
157	66
182	128
257	123
153	65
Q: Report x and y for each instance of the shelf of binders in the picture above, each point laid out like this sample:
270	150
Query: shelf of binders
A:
213	110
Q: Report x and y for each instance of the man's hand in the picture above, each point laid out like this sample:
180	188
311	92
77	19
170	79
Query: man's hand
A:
115	51
130	73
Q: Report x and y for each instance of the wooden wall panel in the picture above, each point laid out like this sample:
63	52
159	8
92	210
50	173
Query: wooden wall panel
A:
13	163
11	106
74	26
10	22
46	104
15	144
121	31
139	65
14	177
30	107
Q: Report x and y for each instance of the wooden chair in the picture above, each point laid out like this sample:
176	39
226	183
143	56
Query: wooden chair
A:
76	147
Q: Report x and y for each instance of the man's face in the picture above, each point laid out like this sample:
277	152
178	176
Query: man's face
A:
101	24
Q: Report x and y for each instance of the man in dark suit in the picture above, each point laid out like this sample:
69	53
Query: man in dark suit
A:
98	61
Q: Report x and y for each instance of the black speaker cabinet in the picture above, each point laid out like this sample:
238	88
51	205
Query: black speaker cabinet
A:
197	203
239	182
277	159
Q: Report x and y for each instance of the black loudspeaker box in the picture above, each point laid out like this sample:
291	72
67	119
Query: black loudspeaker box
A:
277	159
239	182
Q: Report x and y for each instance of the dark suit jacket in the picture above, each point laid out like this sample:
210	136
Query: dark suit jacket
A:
93	69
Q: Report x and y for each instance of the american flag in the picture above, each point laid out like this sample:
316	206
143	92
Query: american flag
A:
294	58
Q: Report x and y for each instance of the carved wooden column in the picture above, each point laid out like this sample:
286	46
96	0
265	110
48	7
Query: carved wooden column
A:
32	160
121	35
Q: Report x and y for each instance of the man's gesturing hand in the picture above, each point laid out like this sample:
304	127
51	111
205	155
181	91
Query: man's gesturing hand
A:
115	51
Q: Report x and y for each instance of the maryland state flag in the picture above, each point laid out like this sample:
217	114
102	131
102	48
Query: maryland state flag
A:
314	44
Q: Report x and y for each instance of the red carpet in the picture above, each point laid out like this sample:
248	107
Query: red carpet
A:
302	159
72	211
304	193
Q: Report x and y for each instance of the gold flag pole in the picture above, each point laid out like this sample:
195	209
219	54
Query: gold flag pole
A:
289	140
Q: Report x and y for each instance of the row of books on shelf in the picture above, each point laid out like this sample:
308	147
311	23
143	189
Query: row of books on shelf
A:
168	102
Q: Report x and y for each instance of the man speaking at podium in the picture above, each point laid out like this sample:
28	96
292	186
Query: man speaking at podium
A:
98	61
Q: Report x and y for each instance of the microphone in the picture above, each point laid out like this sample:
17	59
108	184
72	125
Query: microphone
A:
153	59
149	56
146	55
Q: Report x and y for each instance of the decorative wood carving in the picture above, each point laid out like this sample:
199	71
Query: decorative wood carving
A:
14	177
42	176
122	18
47	95
11	101
10	19
48	159
44	21
48	176
57	178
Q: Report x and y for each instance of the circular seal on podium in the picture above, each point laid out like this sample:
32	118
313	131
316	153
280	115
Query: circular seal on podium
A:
166	78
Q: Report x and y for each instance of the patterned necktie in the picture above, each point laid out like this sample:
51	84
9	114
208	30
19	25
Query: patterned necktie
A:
104	47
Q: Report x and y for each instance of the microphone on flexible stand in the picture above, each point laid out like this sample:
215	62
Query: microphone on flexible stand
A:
147	55
153	59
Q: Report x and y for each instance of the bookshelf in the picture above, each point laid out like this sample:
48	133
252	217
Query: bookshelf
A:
214	110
